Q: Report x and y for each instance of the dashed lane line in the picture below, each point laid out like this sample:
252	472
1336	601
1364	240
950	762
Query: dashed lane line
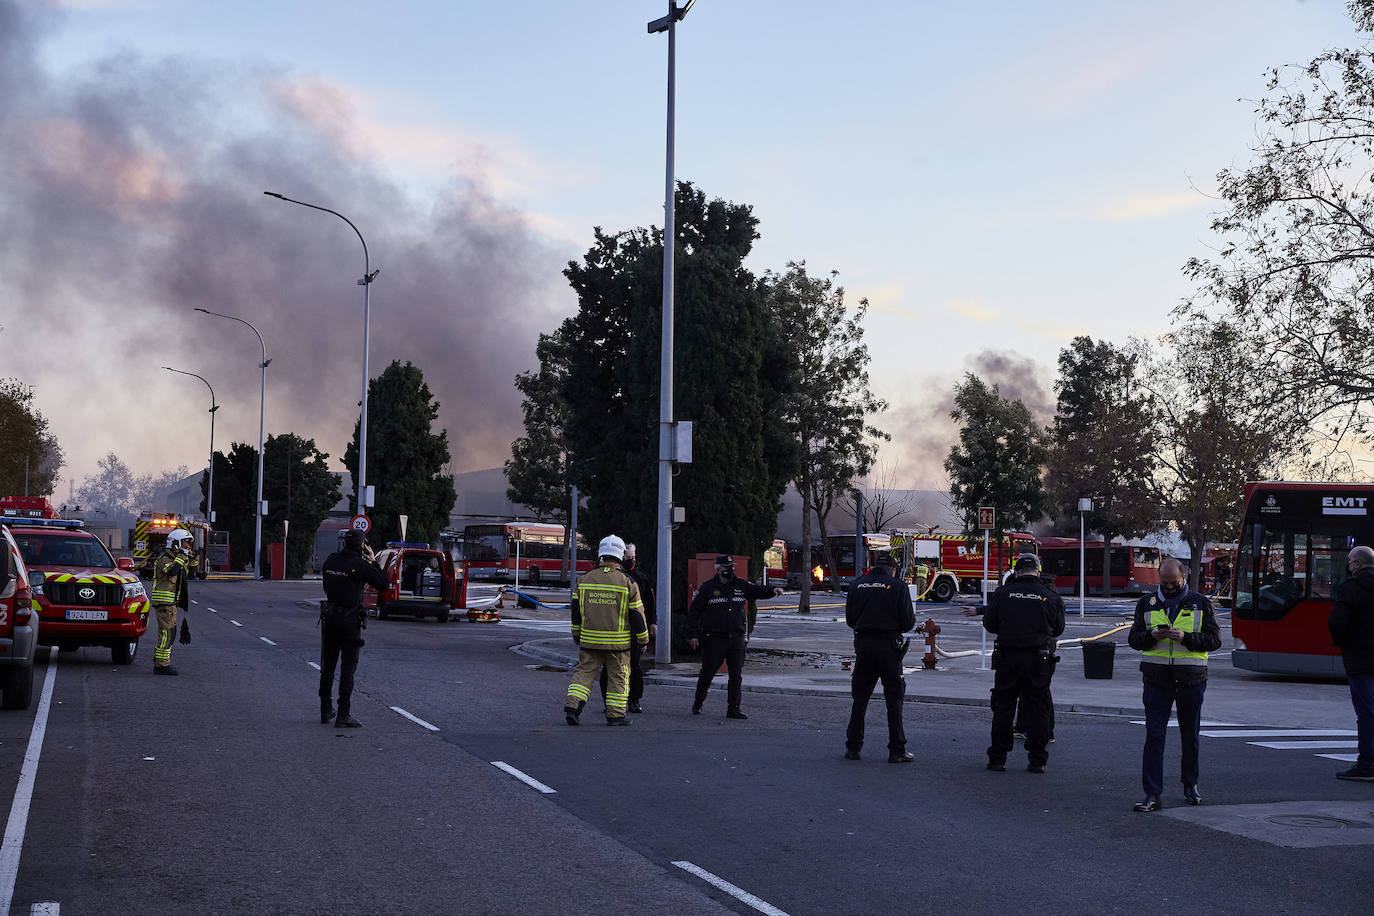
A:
211	610
266	640
523	777
13	844
235	622
738	893
416	719
45	909
314	665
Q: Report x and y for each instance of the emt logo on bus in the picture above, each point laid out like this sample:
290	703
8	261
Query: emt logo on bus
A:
1344	505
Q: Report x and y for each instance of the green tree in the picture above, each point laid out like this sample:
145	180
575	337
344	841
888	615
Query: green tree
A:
236	492
405	459
1102	444
1294	269
30	454
741	460
115	489
998	460
298	486
1214	434
829	403
537	471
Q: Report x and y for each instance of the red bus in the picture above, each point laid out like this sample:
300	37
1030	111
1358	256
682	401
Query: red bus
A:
1294	539
490	552
1135	570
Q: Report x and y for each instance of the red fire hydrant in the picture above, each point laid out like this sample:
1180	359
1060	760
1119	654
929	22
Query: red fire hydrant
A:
930	628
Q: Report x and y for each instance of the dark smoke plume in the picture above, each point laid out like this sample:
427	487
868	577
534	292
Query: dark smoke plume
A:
131	192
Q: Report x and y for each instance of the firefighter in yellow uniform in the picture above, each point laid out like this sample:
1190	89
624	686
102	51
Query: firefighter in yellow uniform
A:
169	593
922	580
607	615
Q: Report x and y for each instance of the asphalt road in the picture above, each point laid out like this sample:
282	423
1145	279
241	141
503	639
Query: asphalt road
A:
220	792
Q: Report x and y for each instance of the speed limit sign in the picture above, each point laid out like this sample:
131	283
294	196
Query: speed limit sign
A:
361	523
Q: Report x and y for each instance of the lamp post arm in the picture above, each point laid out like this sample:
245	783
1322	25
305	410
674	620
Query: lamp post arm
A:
368	276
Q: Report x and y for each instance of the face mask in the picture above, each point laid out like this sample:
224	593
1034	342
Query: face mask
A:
629	562
1170	590
727	574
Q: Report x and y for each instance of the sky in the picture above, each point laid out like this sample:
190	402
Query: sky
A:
994	178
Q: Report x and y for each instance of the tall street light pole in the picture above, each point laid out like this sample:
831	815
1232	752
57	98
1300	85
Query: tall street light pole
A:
262	404
366	283
210	492
664	647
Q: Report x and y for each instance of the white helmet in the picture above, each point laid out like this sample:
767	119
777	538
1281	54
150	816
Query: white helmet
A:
177	536
611	546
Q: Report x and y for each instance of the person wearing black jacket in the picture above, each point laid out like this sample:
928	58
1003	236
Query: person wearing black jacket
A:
718	621
1027	617
342	621
878	609
646	596
1173	630
1352	629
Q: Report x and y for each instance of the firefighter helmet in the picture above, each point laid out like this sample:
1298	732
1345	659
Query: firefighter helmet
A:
177	537
611	546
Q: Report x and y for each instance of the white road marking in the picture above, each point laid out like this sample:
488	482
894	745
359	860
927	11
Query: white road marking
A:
235	622
1284	733
23	791
1302	745
193	601
418	721
527	780
313	665
1205	723
45	909
266	640
211	610
738	893
1348	758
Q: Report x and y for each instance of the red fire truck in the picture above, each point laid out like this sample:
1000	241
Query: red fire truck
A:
955	560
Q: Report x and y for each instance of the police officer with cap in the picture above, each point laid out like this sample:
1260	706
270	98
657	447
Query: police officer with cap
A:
1027	617
718	621
878	609
342	622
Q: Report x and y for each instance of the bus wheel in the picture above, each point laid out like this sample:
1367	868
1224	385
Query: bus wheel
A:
942	591
534	577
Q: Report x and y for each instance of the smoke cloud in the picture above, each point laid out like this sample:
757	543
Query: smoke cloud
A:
922	431
132	193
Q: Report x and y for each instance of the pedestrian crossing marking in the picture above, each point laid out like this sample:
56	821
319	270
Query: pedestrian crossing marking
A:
1210	729
1284	733
1299	745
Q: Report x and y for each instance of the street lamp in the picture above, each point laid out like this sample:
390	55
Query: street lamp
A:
209	493
366	283
663	652
262	404
1085	506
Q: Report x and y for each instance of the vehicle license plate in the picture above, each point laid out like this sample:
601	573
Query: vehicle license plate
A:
75	614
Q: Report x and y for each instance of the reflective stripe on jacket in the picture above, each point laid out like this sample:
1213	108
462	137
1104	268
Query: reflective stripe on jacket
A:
169	576
1169	651
607	612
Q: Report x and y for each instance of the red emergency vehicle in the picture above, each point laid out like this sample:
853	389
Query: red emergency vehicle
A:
954	560
18	624
88	598
420	581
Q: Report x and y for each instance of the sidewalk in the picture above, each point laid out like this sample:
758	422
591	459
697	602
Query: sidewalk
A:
813	667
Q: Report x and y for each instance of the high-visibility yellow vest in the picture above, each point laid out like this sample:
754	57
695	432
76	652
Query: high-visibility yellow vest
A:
1170	651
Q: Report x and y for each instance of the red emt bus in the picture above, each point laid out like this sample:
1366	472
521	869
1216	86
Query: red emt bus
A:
490	552
1294	539
1135	570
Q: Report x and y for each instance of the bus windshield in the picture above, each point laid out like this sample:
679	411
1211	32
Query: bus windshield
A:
1291	563
484	543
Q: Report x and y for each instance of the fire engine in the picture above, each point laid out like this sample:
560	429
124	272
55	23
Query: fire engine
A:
955	559
150	532
87	598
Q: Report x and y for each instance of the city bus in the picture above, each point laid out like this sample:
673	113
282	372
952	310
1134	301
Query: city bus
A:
1293	543
1135	569
491	551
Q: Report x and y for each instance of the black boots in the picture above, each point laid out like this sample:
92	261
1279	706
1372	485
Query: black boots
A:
735	714
573	716
326	711
344	720
165	669
1151	803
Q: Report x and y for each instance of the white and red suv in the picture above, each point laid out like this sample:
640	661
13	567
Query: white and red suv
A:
18	624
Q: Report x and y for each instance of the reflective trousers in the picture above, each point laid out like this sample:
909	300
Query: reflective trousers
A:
338	641
166	633
1022	674
876	658
589	663
636	675
717	648
1158	700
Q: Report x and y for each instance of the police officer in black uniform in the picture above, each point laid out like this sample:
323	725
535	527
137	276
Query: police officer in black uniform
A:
342	621
1027	617
718	621
878	609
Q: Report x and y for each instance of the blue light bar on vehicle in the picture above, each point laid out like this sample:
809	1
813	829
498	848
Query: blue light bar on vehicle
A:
391	544
42	522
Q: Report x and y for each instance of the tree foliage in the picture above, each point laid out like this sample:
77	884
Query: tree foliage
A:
1294	272
405	458
236	493
728	372
537	471
29	450
299	486
115	489
829	403
998	459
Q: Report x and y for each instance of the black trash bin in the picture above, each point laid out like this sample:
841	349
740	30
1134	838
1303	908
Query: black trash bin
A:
1097	659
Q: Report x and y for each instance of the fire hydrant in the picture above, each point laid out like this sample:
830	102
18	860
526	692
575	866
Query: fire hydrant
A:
930	628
